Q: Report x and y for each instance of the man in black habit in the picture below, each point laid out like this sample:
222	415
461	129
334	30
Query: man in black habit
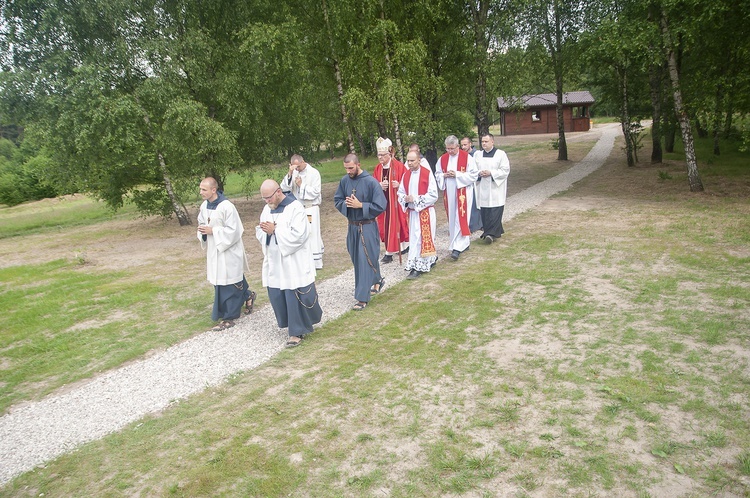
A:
361	199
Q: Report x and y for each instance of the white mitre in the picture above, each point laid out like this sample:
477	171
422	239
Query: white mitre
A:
383	144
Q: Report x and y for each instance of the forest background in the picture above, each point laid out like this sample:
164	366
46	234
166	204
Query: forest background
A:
135	101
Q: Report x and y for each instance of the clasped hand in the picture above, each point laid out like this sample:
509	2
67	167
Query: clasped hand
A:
353	202
267	226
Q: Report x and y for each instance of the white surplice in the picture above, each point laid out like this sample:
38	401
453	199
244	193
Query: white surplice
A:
458	242
492	190
415	261
310	194
287	258
226	261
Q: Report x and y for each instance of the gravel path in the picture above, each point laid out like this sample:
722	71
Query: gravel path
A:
36	432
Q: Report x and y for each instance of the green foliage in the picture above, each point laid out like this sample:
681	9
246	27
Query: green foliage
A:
138	100
22	177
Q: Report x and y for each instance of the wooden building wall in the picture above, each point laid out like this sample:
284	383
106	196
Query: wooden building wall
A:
521	122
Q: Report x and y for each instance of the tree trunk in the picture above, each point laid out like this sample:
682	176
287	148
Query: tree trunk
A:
728	120
481	117
669	134
557	62
382	130
625	116
339	84
399	146
654	81
481	114
694	178
177	206
342	106
702	130
562	146
716	125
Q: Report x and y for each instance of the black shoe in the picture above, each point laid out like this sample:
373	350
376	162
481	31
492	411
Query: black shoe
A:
455	254
387	259
405	250
414	274
489	239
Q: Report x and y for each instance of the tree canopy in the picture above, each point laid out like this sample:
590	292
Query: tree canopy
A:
138	99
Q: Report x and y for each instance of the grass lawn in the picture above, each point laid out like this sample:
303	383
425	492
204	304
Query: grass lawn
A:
600	348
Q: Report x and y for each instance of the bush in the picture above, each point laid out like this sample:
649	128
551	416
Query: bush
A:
21	182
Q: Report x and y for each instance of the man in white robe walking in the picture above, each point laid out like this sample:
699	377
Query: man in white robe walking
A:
303	181
456	173
417	195
220	234
288	266
492	187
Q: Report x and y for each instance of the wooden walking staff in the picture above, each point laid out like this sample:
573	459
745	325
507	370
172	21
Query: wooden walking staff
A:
391	218
398	225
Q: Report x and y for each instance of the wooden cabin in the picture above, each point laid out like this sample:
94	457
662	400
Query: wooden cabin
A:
531	114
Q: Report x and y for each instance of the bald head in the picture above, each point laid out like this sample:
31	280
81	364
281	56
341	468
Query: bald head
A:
271	193
412	160
268	187
208	189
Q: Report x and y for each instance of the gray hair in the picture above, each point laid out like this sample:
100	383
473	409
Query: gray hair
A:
451	140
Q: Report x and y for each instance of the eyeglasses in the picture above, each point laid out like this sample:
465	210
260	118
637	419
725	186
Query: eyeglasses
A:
270	196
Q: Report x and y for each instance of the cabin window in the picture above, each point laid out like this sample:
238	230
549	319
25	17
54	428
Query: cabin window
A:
536	116
580	112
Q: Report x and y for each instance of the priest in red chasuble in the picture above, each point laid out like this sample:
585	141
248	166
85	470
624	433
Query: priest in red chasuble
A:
418	194
392	223
455	173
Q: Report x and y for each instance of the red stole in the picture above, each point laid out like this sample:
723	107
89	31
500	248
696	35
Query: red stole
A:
425	228
392	223
463	218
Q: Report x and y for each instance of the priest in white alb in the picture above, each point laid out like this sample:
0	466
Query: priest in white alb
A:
492	187
417	195
220	234
288	266
303	181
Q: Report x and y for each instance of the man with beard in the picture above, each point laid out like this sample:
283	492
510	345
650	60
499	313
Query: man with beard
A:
360	198
288	267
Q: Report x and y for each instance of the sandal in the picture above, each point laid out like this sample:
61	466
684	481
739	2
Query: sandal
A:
226	324
380	285
359	306
250	303
292	343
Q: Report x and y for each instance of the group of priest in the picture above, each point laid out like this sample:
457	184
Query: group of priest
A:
395	205
401	213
